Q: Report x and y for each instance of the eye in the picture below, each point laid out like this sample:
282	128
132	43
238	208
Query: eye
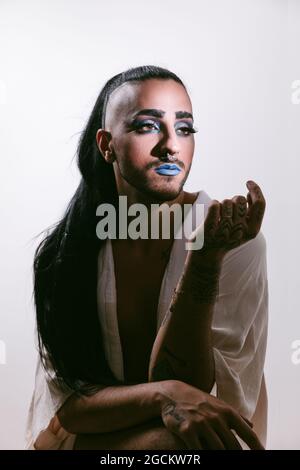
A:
145	125
152	126
187	130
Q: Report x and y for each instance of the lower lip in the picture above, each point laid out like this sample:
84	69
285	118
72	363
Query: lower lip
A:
167	172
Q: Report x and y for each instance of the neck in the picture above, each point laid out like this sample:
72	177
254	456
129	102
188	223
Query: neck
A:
147	245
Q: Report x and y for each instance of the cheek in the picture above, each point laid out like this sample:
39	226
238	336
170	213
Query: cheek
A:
190	144
135	152
187	150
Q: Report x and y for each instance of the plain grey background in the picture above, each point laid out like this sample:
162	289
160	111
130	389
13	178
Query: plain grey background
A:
239	60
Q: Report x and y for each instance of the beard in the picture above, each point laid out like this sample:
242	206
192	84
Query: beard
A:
158	189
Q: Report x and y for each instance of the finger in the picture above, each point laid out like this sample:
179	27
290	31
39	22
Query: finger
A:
249	200
246	433
239	228
211	438
213	213
239	208
212	219
247	421
256	209
228	438
223	232
191	441
226	208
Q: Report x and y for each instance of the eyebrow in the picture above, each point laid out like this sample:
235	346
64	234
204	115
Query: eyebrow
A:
159	113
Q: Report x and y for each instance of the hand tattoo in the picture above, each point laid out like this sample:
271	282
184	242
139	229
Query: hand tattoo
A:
170	409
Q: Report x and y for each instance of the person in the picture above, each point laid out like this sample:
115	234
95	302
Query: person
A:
144	344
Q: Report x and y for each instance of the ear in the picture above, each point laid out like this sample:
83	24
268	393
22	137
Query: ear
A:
104	144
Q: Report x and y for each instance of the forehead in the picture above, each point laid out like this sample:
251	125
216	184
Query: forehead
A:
167	95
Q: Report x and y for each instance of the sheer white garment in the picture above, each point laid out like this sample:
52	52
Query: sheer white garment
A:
239	336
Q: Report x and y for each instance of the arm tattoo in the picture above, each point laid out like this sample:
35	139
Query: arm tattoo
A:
204	283
170	310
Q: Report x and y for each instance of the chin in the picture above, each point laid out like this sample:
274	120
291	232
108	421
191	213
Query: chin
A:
166	192
159	190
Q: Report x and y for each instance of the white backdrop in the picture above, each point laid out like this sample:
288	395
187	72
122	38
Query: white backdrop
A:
239	60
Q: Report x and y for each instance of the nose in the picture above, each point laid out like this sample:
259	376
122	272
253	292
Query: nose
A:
170	142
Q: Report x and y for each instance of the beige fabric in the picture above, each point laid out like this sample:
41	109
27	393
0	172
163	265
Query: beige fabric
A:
54	437
239	334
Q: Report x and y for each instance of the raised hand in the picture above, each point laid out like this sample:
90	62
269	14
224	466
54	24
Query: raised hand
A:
233	222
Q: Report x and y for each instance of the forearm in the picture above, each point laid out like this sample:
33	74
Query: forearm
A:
183	347
114	408
152	435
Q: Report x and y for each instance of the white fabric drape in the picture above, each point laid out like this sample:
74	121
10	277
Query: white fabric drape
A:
239	334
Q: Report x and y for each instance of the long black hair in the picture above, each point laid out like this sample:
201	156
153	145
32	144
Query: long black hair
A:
65	261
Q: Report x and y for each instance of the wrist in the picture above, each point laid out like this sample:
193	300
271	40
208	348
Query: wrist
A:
163	394
200	279
206	260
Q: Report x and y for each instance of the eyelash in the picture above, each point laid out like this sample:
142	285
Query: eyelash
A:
138	127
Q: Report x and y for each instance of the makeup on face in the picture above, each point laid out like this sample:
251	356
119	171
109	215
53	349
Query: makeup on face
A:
155	126
183	126
168	169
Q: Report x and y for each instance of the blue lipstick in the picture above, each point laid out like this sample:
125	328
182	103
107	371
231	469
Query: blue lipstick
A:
168	169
